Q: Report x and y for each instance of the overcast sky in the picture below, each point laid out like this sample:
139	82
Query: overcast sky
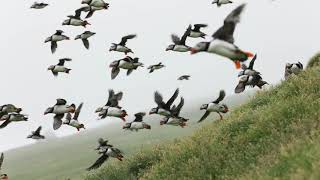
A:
279	31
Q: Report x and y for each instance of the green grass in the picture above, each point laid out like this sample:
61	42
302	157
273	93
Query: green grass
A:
314	61
275	135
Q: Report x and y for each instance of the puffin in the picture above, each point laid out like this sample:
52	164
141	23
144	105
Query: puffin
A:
37	5
196	33
58	36
223	40
249	70
59	109
76	20
215	106
293	68
84	37
137	123
2	176
184	77
12	117
93	6
180	44
121	47
156	67
9	108
221	2
106	152
175	119
73	121
246	80
36	134
128	63
163	109
55	69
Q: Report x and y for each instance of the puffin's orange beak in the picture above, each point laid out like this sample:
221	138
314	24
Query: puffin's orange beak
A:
238	64
193	51
249	54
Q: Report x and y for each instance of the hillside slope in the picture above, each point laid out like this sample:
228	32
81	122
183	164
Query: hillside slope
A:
275	135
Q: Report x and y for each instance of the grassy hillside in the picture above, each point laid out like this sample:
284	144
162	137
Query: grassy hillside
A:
62	158
275	135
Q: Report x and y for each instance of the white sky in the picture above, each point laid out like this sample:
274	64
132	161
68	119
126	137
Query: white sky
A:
279	31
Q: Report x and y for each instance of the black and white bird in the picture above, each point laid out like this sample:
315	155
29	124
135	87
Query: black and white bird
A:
93	5
215	106
60	68
9	108
175	119
249	70
293	68
121	47
12	117
2	176
73	121
246	80
184	77
196	31
37	5
180	44
56	37
127	63
137	123
75	20
106	152
103	144
154	67
84	37
60	109
36	134
163	109
223	40
221	2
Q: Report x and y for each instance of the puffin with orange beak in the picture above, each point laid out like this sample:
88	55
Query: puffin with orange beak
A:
175	119
137	123
76	20
215	106
180	44
223	40
73	121
59	109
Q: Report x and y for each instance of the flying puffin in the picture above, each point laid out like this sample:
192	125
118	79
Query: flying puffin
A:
121	47
3	176
55	69
249	70
246	80
84	37
223	40
76	20
12	117
221	2
215	106
184	77
128	63
106	153
294	68
9	108
156	67
180	44
196	33
93	5
163	108
37	5
103	144
58	36
36	134
59	109
73	121
175	119
137	123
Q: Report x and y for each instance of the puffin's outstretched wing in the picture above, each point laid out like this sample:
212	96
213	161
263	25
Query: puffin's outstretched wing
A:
175	39
222	94
62	61
5	124
240	88
252	62
206	114
37	132
175	110
197	27
185	35
98	163
125	39
86	43
61	102
226	31
57	121
159	99
54	46
139	117
77	112
171	100
1	160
